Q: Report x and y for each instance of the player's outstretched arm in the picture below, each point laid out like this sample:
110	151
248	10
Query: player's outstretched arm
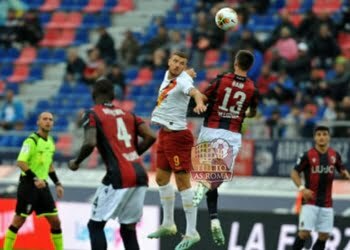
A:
148	138
345	174
86	149
200	99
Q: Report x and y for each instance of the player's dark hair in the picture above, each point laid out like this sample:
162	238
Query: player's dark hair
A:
180	54
321	128
103	89
244	59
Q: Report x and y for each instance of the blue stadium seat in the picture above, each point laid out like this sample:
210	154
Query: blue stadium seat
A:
13	86
34	4
10	55
82	37
82	89
158	74
306	5
43	104
90	21
44	18
131	74
201	75
36	73
104	19
43	56
6	70
58	55
65	89
284	110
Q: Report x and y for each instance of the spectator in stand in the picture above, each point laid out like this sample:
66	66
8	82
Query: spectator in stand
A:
129	49
159	60
343	115
91	73
292	123
247	38
117	77
30	29
200	40
258	6
11	113
159	41
287	45
274	123
309	120
330	113
324	48
276	61
326	18
9	33
283	89
105	45
266	78
344	25
315	86
176	42
75	66
300	69
276	33
306	29
339	85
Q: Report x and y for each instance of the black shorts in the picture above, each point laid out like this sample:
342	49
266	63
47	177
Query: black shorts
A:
30	198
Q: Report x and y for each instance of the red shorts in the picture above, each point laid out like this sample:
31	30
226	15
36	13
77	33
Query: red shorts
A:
174	150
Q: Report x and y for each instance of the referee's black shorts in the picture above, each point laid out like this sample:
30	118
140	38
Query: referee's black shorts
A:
30	198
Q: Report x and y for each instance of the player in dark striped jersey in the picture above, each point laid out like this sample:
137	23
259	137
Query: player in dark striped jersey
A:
318	166
229	98
115	133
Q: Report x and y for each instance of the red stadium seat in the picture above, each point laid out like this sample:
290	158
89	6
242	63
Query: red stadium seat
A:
50	37
94	6
73	20
20	74
211	58
27	55
293	6
329	6
124	6
144	76
57	20
66	39
296	19
2	87
64	144
50	5
212	73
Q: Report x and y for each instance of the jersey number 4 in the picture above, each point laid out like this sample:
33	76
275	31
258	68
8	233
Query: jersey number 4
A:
234	109
122	132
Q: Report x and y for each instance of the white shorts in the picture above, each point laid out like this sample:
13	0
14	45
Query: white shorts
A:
234	139
314	218
125	204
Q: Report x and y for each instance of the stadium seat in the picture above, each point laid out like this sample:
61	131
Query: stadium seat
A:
67	38
292	6
27	55
36	73
50	37
296	19
81	37
73	20
144	76
211	58
2	88
124	6
43	56
50	5
58	56
10	55
109	4
90	21
64	144
6	70
212	73
20	74
57	21
73	5
94	6
44	18
34	4
328	6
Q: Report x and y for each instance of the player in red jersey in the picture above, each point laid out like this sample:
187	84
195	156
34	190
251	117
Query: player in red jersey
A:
229	98
115	133
318	165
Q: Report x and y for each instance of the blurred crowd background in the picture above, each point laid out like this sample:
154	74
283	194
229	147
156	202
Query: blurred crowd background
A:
53	50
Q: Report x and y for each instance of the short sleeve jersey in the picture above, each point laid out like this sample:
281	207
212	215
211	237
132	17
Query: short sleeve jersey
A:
228	100
319	170
38	153
172	102
117	141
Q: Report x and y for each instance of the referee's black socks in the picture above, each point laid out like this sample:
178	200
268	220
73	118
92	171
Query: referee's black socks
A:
129	237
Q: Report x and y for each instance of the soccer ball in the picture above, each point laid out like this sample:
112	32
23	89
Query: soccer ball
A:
226	18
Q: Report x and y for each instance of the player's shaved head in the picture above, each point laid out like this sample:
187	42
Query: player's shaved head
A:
45	114
103	89
45	121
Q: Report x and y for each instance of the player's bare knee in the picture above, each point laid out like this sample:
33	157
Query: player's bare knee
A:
323	236
182	181
304	235
55	222
162	178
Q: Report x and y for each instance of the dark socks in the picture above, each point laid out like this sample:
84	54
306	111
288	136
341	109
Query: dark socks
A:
97	235
319	245
298	243
212	203
129	237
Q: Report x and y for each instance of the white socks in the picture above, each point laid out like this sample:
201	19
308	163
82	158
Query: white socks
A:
190	211
167	199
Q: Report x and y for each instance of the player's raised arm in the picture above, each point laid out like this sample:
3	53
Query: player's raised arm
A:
200	99
148	138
